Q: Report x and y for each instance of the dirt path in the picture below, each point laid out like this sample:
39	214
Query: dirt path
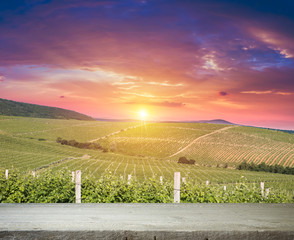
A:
203	136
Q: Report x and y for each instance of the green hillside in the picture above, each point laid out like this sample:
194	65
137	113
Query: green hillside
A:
146	150
12	108
207	144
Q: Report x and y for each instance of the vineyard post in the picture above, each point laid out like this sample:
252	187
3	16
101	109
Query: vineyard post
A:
184	180
225	188
6	173
72	176
34	173
207	182
262	188
267	190
177	187
161	179
78	186
129	178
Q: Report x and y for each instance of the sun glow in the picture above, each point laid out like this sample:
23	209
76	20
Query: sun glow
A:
143	114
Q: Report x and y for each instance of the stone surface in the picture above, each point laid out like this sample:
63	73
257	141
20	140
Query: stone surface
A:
147	221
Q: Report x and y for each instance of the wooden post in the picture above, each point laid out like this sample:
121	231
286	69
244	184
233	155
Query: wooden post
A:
34	173
267	190
262	188
72	176
206	183
225	188
6	173
161	179
184	180
129	178
177	187
78	186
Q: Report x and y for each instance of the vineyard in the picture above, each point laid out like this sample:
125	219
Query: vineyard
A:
146	150
58	187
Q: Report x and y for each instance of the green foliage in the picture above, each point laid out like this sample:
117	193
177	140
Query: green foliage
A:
184	160
47	187
241	192
57	187
266	168
82	145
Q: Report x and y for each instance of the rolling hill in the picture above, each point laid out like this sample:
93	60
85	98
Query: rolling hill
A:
12	108
146	150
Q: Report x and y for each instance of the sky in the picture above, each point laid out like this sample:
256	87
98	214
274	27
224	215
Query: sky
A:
175	59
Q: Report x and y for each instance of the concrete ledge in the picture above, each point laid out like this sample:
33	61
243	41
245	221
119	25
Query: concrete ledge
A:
147	221
131	235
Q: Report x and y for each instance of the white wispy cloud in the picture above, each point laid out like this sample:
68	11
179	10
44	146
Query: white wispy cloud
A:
268	92
257	92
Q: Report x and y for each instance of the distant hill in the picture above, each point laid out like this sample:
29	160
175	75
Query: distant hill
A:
12	108
216	121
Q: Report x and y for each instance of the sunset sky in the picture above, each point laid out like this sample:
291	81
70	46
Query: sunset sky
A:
176	60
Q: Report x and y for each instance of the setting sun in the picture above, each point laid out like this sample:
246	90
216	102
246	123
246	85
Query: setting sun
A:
143	114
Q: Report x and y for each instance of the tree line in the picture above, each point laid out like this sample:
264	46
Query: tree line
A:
265	168
82	145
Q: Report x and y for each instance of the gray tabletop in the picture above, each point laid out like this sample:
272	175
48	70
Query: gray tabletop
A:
151	217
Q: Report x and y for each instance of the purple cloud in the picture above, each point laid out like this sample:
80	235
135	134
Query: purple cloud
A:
223	93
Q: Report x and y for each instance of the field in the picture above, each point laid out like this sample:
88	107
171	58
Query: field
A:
146	150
